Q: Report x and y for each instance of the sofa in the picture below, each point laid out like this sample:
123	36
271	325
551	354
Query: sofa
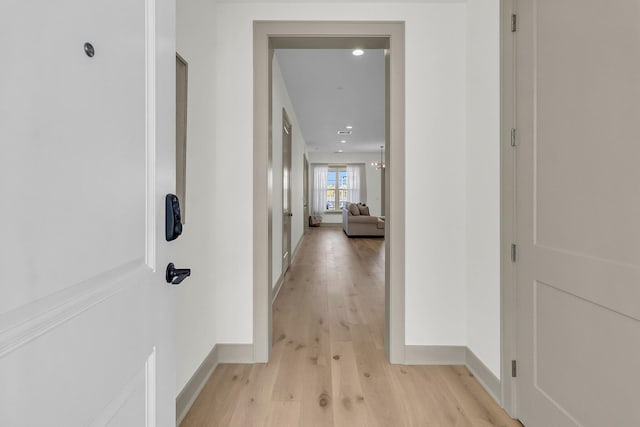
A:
356	221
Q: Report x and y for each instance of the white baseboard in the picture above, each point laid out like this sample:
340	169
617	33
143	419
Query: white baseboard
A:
235	353
194	386
454	355
435	355
280	281
221	353
276	288
489	381
414	355
295	251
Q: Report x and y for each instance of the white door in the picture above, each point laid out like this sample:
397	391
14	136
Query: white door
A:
86	317
305	193
578	212
286	193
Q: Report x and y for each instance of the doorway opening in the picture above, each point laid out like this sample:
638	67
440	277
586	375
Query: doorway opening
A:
329	35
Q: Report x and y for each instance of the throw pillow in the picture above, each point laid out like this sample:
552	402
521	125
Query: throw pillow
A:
364	210
353	208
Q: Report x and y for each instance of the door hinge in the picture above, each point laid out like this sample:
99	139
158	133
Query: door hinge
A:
514	252
514	369
513	137
514	23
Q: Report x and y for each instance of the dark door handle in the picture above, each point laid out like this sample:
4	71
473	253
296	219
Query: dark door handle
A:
175	276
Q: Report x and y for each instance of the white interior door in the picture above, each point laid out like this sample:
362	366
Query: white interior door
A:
305	193
286	193
86	317
578	212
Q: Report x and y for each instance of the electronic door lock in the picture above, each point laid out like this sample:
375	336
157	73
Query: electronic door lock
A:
173	225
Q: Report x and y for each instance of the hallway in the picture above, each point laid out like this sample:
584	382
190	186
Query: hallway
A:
328	366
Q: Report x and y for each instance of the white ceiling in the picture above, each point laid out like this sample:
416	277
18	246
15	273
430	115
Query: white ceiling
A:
331	89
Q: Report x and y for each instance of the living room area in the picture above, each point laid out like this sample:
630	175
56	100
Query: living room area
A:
348	192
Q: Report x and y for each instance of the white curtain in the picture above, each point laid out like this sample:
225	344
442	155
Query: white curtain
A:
319	196
356	183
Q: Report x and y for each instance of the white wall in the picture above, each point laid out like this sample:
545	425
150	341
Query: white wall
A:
373	178
196	297
435	170
452	170
280	100
483	181
435	178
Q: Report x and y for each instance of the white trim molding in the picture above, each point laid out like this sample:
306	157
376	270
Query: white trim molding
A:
387	35
276	288
485	377
196	383
508	301
280	281
221	353
415	355
151	401
23	325
150	141
435	355
455	355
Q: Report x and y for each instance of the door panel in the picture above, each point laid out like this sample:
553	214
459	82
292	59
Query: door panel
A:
588	90
578	353
84	309
305	194
286	192
578	212
76	358
71	107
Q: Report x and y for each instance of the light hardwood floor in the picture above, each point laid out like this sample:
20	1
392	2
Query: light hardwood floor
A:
328	366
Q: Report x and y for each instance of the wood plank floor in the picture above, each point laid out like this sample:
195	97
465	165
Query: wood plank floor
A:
328	366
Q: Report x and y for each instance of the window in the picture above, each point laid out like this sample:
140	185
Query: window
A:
336	188
335	185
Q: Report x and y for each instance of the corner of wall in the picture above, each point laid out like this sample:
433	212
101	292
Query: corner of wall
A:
482	181
195	305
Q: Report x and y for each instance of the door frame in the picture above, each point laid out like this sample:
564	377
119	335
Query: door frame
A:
268	35
508	214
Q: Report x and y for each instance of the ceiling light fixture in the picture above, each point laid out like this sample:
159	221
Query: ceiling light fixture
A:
344	141
358	52
339	151
379	165
348	127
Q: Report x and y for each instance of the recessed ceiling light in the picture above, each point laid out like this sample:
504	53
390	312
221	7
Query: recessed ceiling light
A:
344	141
339	151
358	52
349	127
